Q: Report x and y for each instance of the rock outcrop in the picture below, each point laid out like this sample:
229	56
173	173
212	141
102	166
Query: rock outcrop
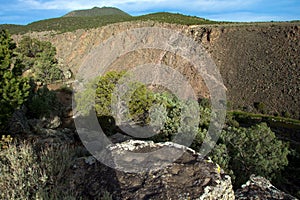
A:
189	177
259	188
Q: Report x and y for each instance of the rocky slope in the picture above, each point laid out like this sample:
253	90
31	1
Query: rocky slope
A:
258	62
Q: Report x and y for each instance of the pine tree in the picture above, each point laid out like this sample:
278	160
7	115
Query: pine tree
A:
14	89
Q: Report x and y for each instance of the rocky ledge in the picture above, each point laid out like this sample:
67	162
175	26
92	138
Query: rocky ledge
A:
189	177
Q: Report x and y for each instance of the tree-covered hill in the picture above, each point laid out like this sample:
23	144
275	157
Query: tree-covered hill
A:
97	17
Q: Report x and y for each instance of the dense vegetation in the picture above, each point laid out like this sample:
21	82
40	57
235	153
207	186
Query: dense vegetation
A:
30	174
14	89
29	170
240	151
39	57
243	148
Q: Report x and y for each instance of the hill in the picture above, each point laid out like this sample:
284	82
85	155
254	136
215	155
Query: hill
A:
98	17
104	11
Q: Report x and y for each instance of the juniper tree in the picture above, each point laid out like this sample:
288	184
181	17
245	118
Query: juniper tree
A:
40	57
254	150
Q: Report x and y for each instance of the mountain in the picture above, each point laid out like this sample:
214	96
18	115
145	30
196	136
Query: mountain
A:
96	11
98	17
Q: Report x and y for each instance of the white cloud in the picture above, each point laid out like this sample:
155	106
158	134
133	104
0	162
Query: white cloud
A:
79	4
140	5
229	10
248	17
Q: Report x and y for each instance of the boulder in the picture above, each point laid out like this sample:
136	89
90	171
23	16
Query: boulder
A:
259	188
188	177
48	123
68	74
54	123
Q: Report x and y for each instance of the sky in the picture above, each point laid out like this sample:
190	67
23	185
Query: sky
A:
27	11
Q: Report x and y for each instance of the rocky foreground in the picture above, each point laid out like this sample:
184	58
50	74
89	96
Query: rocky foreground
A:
189	177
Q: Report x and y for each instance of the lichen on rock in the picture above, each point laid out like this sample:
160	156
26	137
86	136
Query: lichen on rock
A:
189	177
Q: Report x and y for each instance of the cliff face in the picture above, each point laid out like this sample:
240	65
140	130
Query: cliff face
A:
258	63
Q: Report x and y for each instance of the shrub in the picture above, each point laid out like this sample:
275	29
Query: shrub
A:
260	107
254	150
42	103
66	89
230	121
220	155
106	196
27	174
170	116
105	86
102	89
286	114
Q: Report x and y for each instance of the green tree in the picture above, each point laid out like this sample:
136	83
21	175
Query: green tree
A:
163	109
14	89
254	150
104	90
40	57
138	99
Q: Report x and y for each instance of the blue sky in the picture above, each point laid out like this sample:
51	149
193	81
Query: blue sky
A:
26	11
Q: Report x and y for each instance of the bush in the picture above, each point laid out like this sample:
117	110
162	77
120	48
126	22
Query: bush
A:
106	196
245	151
254	150
102	89
220	155
105	86
27	174
260	107
138	97
286	114
66	89
42	103
170	117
